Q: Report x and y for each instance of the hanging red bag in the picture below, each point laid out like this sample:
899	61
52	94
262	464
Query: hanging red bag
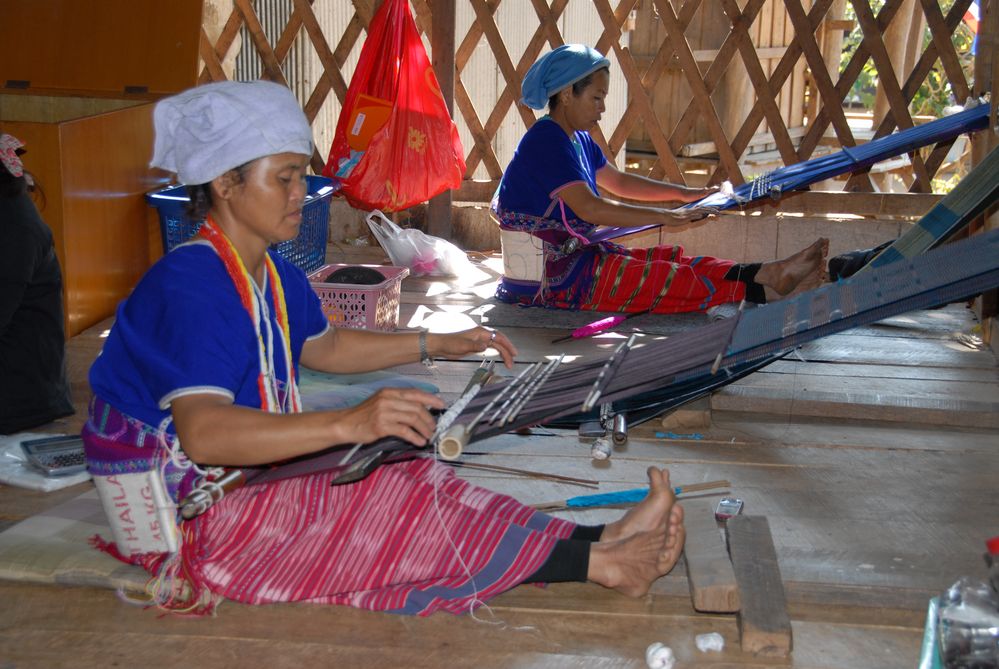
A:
395	143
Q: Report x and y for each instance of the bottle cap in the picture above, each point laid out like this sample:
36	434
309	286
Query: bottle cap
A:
992	545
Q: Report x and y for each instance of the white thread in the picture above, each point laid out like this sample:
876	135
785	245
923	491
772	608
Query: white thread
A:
457	553
709	641
601	449
659	656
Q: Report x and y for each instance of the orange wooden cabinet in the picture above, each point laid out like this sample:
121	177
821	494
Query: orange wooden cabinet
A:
78	81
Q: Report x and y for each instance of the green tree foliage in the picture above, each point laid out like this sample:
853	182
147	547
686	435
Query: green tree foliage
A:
935	94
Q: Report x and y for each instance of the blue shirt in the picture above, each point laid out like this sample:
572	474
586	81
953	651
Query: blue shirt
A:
545	162
183	330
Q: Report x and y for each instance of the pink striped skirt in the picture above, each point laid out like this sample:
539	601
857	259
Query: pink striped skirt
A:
410	538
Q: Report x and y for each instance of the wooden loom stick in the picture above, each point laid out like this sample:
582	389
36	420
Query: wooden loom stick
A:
608	372
587	483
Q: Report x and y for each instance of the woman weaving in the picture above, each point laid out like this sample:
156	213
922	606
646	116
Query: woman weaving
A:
201	367
551	194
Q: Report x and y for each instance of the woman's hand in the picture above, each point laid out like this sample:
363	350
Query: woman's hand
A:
476	340
390	412
694	194
678	220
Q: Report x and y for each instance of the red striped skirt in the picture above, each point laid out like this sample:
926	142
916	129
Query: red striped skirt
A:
661	279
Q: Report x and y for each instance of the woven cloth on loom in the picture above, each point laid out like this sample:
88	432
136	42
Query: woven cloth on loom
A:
498	314
684	361
968	199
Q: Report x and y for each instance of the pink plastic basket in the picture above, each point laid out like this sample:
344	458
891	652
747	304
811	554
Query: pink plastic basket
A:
370	307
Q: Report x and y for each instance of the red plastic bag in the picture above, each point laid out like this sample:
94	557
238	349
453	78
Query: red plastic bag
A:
395	143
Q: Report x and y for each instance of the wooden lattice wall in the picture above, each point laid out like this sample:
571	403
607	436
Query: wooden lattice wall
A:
817	116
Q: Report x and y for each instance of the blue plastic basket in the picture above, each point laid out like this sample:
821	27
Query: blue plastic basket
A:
307	251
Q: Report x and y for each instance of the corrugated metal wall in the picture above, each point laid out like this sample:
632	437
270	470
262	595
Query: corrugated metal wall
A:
516	20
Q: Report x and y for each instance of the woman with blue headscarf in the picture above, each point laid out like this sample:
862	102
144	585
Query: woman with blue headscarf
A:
551	199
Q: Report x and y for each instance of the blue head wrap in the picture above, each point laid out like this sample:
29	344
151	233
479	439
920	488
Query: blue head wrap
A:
557	69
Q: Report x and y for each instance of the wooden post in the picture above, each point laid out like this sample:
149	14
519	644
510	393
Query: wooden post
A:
986	77
902	40
442	58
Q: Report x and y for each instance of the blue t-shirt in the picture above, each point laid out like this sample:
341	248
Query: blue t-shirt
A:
183	330
545	162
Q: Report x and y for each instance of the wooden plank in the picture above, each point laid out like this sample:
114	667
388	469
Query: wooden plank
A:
570	625
764	626
890	373
709	571
811	202
959	404
694	416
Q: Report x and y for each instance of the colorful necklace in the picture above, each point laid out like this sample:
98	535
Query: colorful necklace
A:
255	303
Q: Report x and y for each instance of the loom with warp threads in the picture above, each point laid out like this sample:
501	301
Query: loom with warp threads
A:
686	359
662	374
773	185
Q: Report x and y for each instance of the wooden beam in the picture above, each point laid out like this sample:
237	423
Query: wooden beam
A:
813	203
713	587
442	47
764	626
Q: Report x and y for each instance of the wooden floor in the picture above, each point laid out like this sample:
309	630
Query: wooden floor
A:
872	453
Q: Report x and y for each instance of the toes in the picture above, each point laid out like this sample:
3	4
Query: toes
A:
655	478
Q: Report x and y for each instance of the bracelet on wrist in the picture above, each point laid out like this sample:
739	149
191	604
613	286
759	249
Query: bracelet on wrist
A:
425	357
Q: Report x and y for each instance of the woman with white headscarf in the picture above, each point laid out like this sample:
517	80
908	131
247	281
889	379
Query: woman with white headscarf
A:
553	192
201	366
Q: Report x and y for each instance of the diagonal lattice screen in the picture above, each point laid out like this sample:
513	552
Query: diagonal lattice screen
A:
710	84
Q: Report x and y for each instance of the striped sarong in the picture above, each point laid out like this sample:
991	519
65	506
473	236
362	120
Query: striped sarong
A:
410	538
609	277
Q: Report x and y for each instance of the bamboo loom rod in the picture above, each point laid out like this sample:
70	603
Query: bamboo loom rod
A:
588	483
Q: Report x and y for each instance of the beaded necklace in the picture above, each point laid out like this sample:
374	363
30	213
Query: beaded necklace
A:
255	303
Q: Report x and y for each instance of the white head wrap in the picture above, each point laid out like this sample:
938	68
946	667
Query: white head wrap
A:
206	131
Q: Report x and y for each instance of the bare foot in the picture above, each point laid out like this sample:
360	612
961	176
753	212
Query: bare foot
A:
633	564
649	514
802	271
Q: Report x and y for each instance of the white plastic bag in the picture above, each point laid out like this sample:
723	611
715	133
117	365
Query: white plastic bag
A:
423	254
